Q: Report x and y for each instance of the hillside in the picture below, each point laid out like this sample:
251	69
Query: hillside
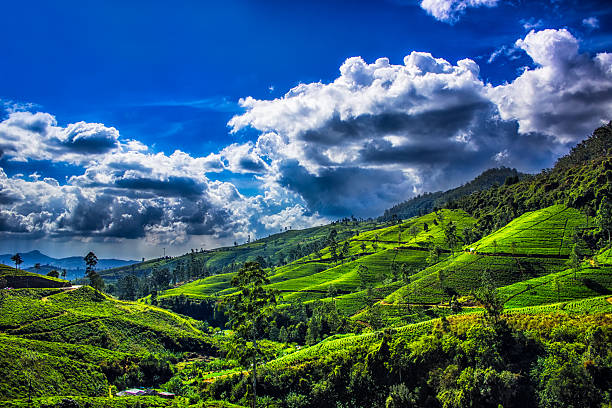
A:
275	250
77	341
484	304
16	278
372	260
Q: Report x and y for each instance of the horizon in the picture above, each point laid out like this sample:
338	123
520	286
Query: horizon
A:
125	130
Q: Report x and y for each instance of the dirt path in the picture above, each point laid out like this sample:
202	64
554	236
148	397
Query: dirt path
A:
67	289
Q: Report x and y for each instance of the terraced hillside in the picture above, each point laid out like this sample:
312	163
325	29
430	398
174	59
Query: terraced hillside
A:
370	259
592	278
79	341
17	278
535	244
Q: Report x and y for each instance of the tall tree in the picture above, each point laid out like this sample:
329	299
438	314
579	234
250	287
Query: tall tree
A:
604	216
247	311
95	280
17	259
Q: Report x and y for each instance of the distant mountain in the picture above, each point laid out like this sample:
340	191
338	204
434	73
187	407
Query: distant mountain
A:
74	265
425	203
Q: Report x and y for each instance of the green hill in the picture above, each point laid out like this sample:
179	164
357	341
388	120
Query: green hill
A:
534	244
77	341
17	278
381	251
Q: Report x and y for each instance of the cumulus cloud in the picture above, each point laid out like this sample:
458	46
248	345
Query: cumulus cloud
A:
26	135
450	11
566	95
243	158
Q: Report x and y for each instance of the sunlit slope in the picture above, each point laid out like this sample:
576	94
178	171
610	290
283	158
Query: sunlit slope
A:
277	248
84	316
544	232
373	259
589	280
534	317
532	245
78	341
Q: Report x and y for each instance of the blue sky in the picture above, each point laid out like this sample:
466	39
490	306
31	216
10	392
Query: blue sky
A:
144	79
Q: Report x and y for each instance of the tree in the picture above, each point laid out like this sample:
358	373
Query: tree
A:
247	310
434	255
450	235
30	361
604	216
53	274
363	247
127	287
37	267
95	280
414	230
575	258
362	272
17	259
91	260
487	296
345	250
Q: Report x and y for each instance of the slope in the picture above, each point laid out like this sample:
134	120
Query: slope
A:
532	245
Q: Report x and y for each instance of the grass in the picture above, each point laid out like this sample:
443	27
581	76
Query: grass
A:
75	337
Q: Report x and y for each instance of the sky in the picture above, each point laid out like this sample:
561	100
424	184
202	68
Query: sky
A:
130	127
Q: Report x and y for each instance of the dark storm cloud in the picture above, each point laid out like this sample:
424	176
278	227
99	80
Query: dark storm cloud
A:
435	123
12	222
173	187
342	191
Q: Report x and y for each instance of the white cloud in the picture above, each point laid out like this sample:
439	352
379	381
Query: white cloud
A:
26	135
449	11
566	95
532	23
591	23
294	217
374	136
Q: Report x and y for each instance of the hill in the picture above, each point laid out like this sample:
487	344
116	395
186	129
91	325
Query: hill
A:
77	341
370	259
273	251
16	278
426	203
534	244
